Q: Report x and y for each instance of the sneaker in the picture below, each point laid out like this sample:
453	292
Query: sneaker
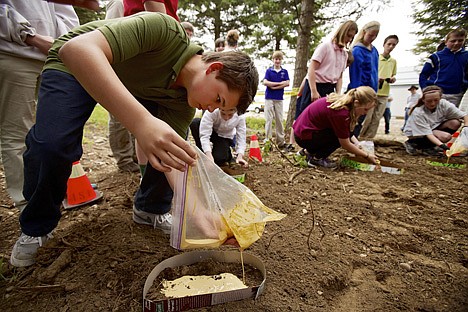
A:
25	249
290	148
410	148
301	152
321	162
161	222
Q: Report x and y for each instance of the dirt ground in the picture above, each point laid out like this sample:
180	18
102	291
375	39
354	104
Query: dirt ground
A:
351	241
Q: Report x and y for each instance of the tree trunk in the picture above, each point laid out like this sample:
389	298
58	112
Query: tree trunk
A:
306	20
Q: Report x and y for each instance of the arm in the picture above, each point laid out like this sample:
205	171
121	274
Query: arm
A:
355	71
434	139
276	85
339	84
241	134
313	80
272	85
13	26
43	43
393	78
206	129
352	148
426	72
157	139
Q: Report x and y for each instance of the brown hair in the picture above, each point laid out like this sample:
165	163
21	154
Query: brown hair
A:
362	95
342	31
219	43
426	90
238	72
232	38
459	32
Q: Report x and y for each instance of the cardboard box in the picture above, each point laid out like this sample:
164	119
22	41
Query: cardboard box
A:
363	164
200	301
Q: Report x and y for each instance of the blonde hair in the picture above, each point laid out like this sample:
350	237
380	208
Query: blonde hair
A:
369	26
426	90
358	97
342	31
277	54
232	38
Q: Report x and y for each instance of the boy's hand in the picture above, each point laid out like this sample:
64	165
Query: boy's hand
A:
164	148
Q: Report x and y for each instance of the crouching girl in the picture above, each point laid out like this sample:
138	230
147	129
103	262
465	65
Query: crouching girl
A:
325	125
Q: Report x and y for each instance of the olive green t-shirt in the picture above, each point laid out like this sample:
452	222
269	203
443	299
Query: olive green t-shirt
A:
149	51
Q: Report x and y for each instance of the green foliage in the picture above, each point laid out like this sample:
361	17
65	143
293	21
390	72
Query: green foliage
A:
437	18
218	17
255	124
300	160
86	15
266	149
99	120
99	117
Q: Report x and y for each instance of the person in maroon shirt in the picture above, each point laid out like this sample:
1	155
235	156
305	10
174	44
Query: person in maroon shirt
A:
168	7
326	124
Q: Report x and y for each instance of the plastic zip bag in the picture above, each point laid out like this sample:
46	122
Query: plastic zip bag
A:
210	206
460	145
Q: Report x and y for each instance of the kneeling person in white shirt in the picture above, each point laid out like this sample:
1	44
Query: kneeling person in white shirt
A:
216	132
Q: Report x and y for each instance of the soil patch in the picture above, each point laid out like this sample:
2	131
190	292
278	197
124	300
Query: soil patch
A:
351	241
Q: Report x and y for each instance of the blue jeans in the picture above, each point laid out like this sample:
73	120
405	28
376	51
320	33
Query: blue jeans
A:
387	117
54	143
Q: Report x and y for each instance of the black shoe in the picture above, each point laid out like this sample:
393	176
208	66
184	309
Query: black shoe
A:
436	151
410	148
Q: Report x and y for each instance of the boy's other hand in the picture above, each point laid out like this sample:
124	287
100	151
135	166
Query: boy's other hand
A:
164	148
88	4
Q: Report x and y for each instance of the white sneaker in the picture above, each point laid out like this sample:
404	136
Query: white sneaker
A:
25	249
161	222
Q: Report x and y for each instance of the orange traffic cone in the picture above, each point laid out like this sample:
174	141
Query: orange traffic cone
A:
454	137
254	151
79	189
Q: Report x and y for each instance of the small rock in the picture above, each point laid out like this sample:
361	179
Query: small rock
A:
405	266
377	249
304	211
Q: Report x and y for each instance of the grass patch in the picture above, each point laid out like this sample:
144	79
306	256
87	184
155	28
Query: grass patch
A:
97	122
99	117
255	124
